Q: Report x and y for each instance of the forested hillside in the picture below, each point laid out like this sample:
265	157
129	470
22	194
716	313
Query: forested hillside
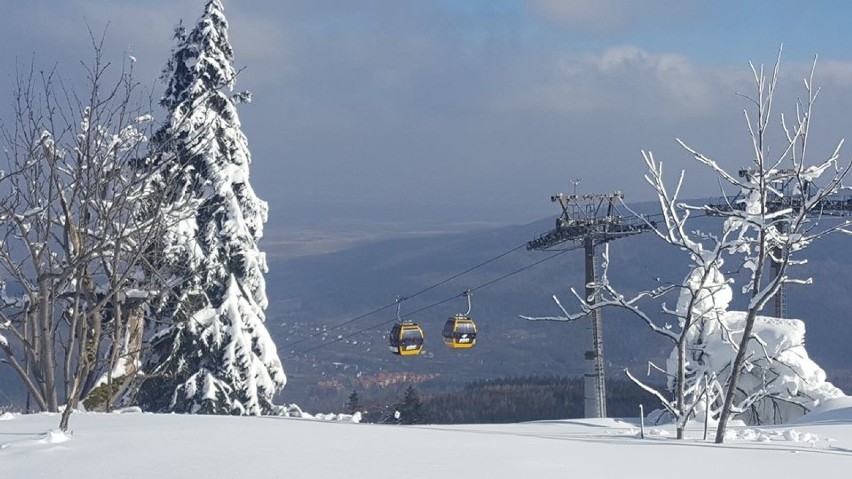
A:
529	399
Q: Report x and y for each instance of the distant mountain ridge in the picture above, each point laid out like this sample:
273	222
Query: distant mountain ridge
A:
325	290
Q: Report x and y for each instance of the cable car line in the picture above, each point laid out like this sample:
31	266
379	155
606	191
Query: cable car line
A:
425	308
466	271
418	293
337	326
361	331
423	291
519	270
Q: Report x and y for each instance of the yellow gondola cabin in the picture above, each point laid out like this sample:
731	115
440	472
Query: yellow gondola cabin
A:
459	332
406	339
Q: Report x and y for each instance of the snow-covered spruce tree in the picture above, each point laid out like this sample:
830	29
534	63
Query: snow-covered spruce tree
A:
214	354
715	348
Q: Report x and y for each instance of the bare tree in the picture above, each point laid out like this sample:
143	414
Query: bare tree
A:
696	305
772	228
774	215
74	239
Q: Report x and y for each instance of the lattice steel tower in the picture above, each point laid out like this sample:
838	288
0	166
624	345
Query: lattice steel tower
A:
587	221
786	194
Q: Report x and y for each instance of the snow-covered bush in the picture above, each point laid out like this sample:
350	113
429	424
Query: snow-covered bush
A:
780	383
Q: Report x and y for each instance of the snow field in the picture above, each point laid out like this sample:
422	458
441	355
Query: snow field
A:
173	446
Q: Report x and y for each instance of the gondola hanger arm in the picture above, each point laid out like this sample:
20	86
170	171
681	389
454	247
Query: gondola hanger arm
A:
467	294
399	300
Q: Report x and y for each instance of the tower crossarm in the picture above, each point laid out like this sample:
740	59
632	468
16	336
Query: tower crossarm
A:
833	205
788	190
588	216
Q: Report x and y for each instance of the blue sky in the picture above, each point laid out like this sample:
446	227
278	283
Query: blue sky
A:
405	112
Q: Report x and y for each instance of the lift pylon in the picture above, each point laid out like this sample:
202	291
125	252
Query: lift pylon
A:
785	193
587	221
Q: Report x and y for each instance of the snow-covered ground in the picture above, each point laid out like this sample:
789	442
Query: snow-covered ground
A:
142	445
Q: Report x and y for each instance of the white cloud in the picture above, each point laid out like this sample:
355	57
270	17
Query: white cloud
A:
627	78
838	73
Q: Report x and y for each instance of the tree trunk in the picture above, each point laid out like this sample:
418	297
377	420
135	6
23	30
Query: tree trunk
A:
739	360
47	364
681	379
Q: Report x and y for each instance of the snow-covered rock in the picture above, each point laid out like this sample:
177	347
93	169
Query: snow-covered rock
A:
778	371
